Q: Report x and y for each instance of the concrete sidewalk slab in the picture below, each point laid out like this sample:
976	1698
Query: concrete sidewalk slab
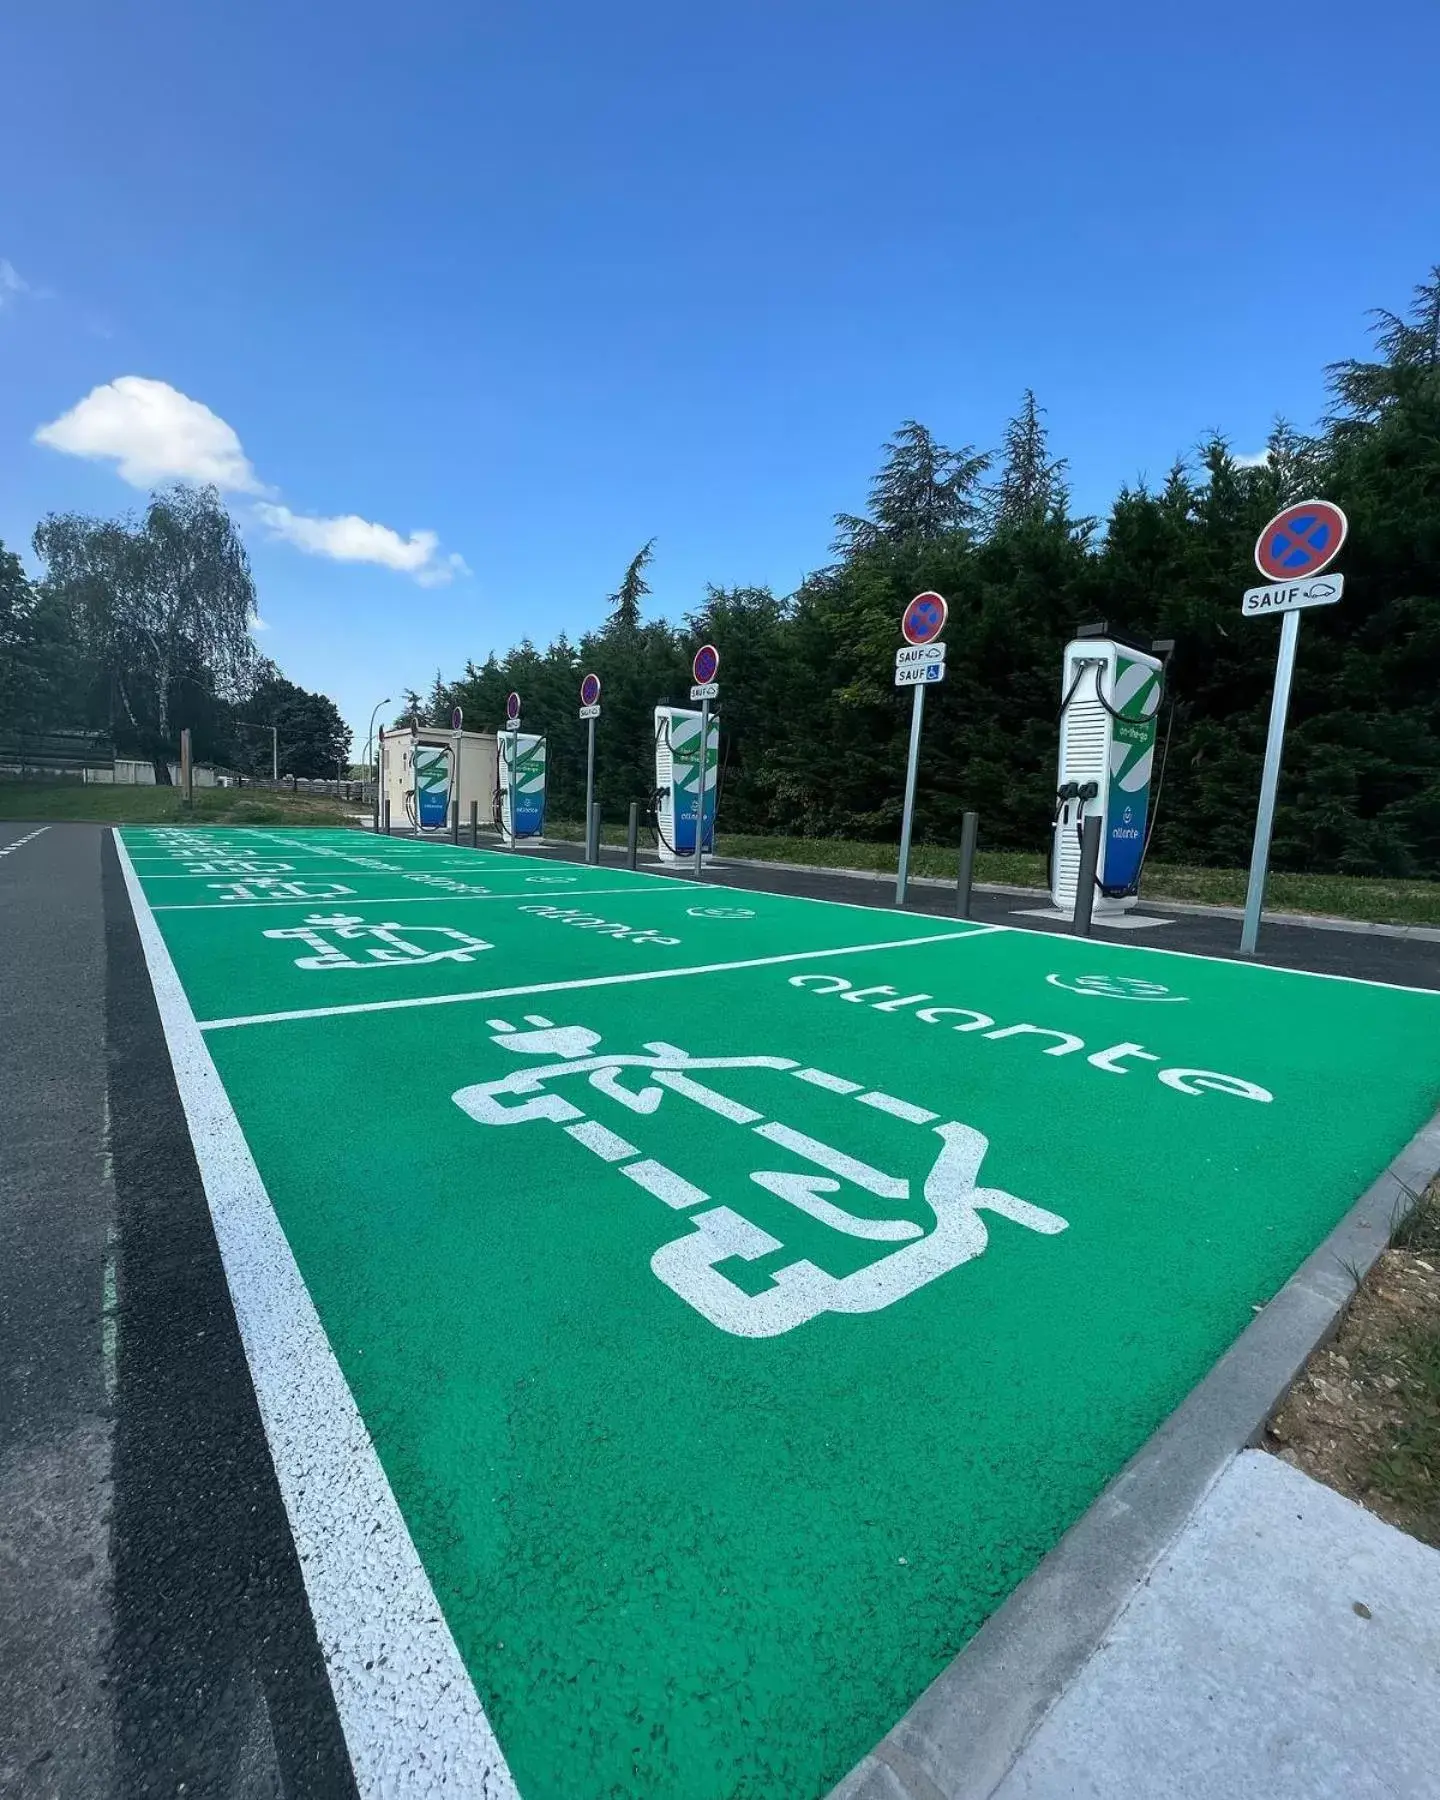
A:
1288	1645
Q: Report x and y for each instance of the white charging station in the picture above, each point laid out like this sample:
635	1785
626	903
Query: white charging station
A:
1110	694
677	781
527	750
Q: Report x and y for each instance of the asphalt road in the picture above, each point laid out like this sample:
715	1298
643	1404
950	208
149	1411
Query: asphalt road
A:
154	1634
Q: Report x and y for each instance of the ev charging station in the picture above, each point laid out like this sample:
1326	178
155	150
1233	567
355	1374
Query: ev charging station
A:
426	771
685	776
520	784
1110	695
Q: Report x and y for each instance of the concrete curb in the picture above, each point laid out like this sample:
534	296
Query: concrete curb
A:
1315	921
964	1733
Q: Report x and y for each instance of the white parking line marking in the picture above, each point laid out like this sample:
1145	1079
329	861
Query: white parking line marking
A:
590	981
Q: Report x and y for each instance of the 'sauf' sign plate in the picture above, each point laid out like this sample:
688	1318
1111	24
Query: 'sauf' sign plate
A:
919	674
909	654
1290	596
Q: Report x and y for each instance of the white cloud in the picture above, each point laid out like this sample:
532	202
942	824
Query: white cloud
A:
10	281
257	623
1254	459
349	538
152	432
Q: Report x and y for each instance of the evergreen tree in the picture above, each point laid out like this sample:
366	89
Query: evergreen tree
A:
441	702
922	492
1031	485
624	603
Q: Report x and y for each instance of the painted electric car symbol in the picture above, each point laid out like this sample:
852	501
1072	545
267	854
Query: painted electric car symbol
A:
332	935
720	912
1114	987
841	1194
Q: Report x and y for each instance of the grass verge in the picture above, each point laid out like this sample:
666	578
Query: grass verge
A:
96	804
1364	1416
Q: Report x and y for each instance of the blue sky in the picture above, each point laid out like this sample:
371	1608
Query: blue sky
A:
544	281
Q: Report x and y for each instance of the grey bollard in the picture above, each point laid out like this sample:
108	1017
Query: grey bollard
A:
1085	879
454	821
632	836
969	831
474	824
594	855
387	815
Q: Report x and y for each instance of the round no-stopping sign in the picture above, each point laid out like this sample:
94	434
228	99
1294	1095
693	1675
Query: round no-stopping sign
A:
457	718
1301	541
590	691
512	706
706	665
924	619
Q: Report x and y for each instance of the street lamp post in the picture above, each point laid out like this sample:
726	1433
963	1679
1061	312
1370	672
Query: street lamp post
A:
369	741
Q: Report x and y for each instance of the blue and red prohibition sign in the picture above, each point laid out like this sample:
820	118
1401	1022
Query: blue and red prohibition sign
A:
1301	541
924	619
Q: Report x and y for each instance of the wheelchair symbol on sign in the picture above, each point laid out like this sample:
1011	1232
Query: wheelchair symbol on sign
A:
691	1265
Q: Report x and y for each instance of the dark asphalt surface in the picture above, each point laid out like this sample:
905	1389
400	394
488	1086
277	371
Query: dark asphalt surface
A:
154	1634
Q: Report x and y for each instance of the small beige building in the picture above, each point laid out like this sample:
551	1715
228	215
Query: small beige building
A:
472	770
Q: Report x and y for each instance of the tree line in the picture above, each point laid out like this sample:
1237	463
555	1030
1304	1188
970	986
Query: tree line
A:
140	628
814	735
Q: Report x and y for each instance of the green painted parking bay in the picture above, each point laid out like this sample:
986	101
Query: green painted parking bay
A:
734	1342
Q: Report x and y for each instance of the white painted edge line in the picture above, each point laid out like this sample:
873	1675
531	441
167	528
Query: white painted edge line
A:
17	843
587	981
412	1721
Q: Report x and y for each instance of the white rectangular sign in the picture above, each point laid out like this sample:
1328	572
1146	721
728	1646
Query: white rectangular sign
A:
589	712
919	674
705	690
919	654
1290	596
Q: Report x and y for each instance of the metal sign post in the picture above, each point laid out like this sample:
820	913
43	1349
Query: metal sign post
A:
919	666
590	712
1293	548
705	668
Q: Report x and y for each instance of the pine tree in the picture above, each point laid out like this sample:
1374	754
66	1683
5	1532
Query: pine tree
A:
624	603
1031	486
1409	362
922	492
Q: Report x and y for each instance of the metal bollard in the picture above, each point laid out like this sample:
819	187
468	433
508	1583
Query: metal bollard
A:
474	824
593	848
969	831
387	815
1085	879
454	821
632	836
